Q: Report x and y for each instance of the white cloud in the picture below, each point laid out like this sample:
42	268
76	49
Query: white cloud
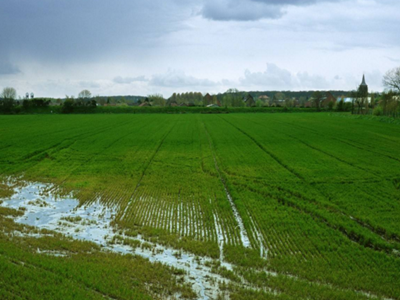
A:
178	79
128	80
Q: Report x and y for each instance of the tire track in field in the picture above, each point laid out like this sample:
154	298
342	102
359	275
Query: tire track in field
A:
93	156
144	172
271	154
317	217
42	152
353	237
381	232
91	133
243	232
74	138
323	152
332	156
346	142
52	132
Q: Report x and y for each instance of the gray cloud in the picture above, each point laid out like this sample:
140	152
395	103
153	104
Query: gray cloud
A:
250	10
93	41
307	81
239	10
128	80
273	76
277	78
178	79
83	31
89	84
396	60
7	68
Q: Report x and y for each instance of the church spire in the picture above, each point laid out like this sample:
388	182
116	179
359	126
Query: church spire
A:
363	88
363	80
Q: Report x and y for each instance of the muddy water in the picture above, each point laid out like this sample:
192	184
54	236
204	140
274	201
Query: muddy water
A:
91	222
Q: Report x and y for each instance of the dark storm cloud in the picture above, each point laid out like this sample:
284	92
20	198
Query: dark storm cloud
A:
74	30
250	10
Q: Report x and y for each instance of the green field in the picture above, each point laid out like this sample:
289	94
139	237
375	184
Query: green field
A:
317	197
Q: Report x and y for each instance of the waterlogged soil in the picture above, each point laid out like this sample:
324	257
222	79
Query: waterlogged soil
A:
45	210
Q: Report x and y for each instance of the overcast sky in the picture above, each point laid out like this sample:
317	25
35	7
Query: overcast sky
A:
130	47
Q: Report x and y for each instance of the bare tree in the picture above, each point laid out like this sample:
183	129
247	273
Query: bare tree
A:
85	94
391	79
9	93
317	98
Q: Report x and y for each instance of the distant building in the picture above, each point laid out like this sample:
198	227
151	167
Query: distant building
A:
363	91
249	100
363	88
264	98
327	99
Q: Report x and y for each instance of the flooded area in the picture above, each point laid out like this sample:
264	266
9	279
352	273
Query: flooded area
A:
45	210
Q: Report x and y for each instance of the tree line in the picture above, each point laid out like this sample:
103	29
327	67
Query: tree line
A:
362	102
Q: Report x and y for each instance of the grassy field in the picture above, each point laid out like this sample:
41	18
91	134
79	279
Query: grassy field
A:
304	206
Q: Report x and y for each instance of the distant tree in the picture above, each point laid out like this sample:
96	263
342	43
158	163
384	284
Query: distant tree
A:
7	104
101	101
288	102
227	100
214	99
232	91
259	103
68	106
391	79
279	96
389	103
157	100
9	93
340	105
92	103
85	94
317	98
353	95
207	99
302	100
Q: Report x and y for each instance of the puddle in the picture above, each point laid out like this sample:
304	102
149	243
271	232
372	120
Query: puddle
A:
243	233
221	241
261	241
